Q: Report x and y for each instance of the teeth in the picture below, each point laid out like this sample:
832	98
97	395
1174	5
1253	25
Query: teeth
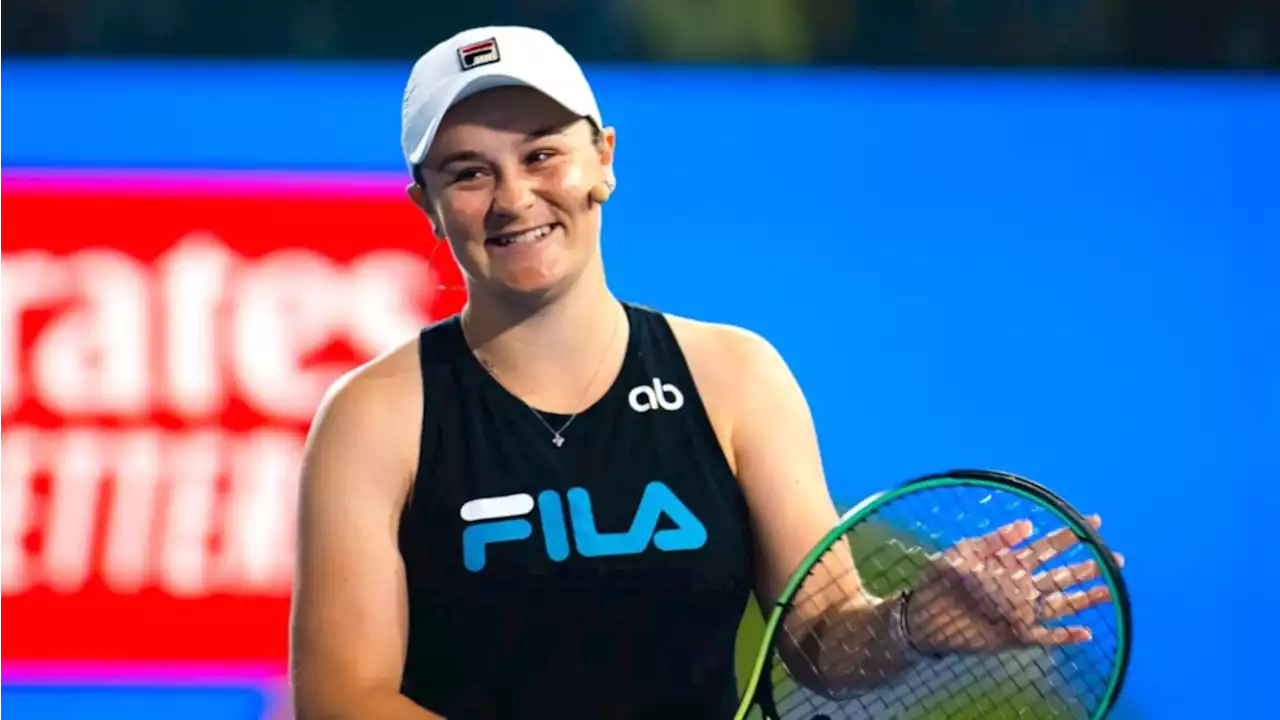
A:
527	236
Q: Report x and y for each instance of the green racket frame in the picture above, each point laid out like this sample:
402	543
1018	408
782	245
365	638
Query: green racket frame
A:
759	692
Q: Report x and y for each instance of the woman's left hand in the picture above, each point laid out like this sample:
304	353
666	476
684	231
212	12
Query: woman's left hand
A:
986	594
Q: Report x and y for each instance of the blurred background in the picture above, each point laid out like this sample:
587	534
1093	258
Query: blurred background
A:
1035	235
1187	34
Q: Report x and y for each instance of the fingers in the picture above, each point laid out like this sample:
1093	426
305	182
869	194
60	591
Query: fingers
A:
1059	605
1069	575
1065	577
1060	636
991	543
1047	547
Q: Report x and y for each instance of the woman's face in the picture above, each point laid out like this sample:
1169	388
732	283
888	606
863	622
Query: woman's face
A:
508	179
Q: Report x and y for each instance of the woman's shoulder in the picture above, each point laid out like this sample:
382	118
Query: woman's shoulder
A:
383	378
724	359
721	344
741	377
382	397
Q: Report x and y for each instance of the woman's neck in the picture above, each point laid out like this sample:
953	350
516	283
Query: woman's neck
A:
551	353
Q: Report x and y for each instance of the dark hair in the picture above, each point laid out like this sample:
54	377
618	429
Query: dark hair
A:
597	138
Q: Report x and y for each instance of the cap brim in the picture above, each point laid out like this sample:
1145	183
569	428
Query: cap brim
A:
461	91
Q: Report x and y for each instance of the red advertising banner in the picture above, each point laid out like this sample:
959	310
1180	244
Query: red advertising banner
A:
165	344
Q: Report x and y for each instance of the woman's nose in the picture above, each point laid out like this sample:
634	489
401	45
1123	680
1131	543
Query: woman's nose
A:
513	194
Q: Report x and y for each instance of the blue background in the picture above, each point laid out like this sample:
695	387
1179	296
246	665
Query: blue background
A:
1074	278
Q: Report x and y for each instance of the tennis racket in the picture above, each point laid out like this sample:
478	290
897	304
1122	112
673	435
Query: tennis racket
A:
976	595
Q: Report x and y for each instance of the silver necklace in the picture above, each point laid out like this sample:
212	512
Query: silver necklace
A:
557	435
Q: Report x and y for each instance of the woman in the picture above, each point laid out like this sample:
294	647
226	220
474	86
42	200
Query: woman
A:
555	504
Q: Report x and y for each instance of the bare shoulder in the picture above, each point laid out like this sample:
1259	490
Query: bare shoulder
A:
375	409
380	379
738	373
731	353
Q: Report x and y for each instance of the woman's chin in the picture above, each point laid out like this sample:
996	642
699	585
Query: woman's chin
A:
529	284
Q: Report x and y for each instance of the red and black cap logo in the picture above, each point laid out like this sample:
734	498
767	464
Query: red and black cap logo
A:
476	54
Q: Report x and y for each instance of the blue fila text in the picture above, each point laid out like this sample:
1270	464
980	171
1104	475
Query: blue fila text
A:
501	519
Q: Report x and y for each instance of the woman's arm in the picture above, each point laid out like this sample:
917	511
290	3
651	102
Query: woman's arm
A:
349	615
842	635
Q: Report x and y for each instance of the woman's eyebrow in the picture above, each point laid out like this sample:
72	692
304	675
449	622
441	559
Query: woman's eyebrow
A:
458	157
473	155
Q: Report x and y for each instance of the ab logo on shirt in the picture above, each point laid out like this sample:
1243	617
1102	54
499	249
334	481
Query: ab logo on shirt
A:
501	519
660	395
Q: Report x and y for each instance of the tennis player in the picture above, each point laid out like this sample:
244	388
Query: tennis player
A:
555	504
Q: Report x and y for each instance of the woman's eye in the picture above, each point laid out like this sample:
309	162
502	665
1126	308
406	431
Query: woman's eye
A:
538	156
466	175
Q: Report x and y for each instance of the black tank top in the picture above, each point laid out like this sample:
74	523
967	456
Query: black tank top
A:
604	578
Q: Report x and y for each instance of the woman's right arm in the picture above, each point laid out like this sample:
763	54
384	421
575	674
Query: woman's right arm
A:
349	614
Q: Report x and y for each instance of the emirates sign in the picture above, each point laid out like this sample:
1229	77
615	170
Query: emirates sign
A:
165	345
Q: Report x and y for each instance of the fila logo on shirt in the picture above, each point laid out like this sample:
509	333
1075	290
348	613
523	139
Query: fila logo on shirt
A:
502	519
659	396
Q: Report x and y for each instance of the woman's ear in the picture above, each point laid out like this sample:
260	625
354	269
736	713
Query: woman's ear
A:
416	194
419	197
605	146
601	192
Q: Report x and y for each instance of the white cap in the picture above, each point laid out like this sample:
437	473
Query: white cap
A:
483	58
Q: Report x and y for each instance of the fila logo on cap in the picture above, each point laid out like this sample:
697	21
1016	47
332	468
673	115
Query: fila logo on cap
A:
476	54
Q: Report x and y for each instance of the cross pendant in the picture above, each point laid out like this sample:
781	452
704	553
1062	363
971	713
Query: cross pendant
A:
557	440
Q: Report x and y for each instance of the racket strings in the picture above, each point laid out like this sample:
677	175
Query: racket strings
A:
909	544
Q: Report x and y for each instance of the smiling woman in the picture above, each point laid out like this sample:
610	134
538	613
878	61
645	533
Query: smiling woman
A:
555	504
508	181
